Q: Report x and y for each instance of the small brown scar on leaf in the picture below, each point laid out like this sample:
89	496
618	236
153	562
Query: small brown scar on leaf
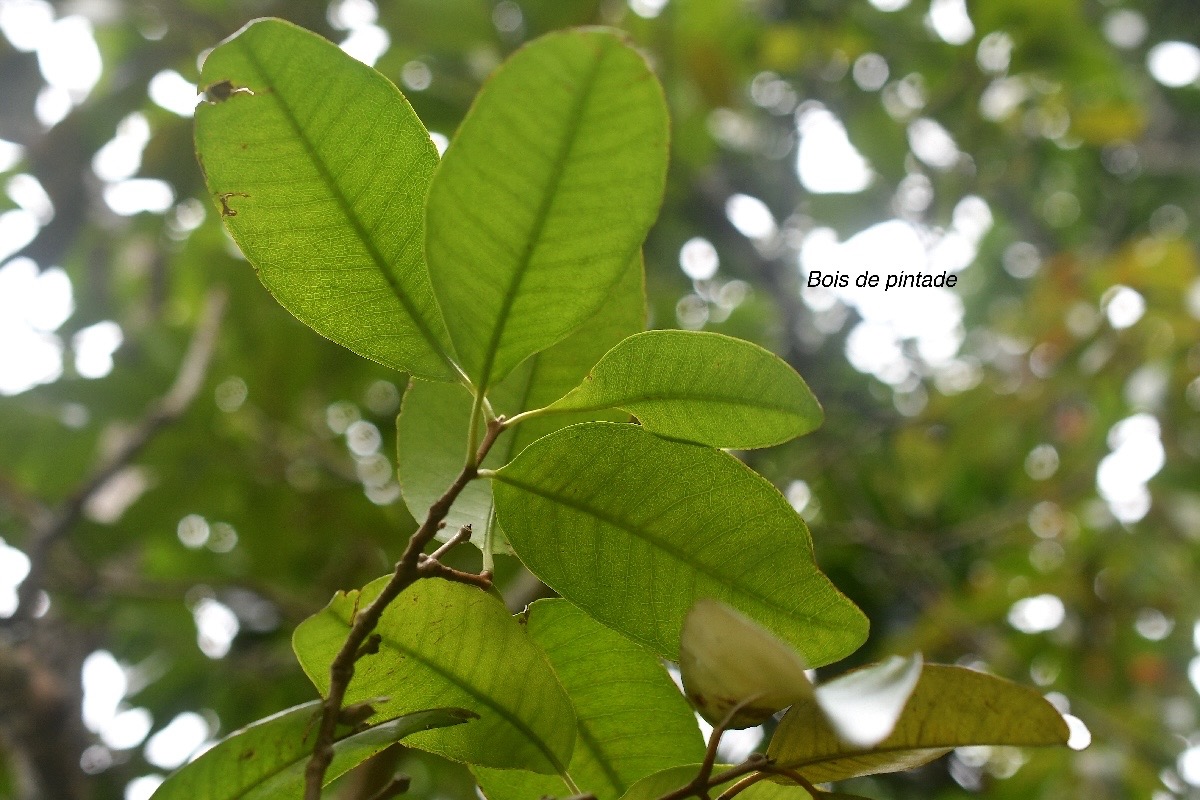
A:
221	91
226	211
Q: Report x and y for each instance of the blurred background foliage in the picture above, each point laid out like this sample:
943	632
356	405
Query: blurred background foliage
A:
1007	476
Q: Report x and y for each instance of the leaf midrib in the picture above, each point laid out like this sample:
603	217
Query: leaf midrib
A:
482	697
298	758
679	554
347	209
558	167
599	756
707	399
897	748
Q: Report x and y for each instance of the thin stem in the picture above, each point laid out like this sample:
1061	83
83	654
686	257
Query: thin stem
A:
699	785
795	777
473	459
754	763
570	782
463	535
411	567
517	419
489	539
489	413
740	786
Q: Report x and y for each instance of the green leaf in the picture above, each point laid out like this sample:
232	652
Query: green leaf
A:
544	196
321	168
655	786
951	707
266	759
431	447
702	387
451	644
597	506
632	719
432	426
546	376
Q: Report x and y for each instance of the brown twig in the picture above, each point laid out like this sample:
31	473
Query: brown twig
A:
742	785
53	526
793	776
463	535
705	780
409	569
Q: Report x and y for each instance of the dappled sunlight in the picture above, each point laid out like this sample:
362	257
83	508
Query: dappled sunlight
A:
826	161
931	318
32	307
14	566
216	627
94	347
173	744
1000	445
1174	64
1137	456
1038	614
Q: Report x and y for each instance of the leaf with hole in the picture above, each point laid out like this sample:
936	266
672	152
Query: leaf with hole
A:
320	168
950	707
702	387
544	196
266	759
600	505
632	719
455	645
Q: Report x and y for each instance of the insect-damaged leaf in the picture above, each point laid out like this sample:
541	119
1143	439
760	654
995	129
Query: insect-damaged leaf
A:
320	168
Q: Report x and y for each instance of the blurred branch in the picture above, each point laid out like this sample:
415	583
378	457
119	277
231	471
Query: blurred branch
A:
54	526
25	505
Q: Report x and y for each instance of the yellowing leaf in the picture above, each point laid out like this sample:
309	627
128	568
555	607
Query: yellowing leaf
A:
951	707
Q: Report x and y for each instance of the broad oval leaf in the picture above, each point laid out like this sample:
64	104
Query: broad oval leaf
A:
544	196
451	644
950	707
266	759
600	505
632	720
730	662
702	387
320	168
432	426
660	783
